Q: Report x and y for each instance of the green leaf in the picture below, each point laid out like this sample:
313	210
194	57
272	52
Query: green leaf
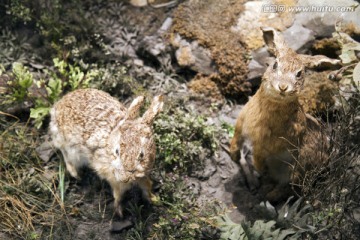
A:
39	114
61	66
348	46
23	76
54	89
230	230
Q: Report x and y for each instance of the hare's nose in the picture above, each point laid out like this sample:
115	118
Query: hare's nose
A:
283	87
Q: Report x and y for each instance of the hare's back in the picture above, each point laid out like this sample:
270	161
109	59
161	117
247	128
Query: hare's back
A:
86	112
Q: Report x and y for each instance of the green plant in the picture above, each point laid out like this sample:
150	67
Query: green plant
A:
257	231
139	231
349	75
14	47
22	84
115	79
184	140
181	215
19	85
291	221
230	129
19	11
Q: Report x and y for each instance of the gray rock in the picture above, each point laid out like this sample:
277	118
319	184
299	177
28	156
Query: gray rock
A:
307	26
356	213
322	19
214	181
257	65
118	226
297	36
194	56
256	70
208	171
194	185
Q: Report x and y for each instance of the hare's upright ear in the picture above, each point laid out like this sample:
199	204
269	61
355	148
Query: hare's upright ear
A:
318	61
133	110
154	109
275	41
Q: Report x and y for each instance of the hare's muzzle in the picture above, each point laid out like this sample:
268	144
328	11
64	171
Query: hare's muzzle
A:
282	87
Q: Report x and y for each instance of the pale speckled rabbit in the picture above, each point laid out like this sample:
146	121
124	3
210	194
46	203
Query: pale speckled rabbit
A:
273	122
92	128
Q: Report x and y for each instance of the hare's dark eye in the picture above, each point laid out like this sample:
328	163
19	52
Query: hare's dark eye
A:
275	65
117	152
141	155
299	74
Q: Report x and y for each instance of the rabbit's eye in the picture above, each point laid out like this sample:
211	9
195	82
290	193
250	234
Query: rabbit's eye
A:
141	155
275	65
117	152
299	74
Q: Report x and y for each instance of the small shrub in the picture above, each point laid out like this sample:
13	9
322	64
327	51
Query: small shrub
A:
181	215
41	94
184	139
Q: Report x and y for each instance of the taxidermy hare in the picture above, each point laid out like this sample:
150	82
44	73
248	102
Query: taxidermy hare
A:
92	128
273	122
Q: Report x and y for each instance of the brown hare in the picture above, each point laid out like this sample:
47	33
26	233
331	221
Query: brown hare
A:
273	122
92	128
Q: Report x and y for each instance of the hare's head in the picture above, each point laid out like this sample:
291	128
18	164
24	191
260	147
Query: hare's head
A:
284	77
133	142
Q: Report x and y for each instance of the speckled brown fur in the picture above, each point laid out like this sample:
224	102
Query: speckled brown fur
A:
92	128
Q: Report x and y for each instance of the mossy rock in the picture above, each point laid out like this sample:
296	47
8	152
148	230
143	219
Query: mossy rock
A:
209	23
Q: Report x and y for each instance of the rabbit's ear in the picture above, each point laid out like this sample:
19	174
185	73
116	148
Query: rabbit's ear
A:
154	109
275	41
133	110
318	60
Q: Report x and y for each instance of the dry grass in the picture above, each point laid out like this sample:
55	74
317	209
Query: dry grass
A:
29	197
331	180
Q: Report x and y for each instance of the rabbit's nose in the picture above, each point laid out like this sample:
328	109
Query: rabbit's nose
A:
283	87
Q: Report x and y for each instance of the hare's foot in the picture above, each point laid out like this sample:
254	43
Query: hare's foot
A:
72	170
279	193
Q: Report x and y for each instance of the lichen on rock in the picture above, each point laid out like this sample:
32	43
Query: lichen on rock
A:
209	23
318	93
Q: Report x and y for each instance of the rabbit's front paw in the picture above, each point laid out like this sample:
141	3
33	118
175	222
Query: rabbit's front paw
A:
72	170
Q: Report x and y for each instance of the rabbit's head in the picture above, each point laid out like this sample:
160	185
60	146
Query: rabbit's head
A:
284	77
132	142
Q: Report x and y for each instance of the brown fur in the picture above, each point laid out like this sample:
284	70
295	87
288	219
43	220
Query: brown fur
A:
92	128
273	121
